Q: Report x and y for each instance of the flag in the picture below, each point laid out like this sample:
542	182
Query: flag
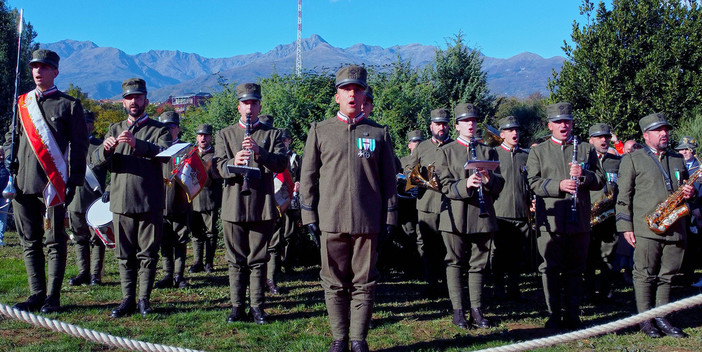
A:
283	188
191	173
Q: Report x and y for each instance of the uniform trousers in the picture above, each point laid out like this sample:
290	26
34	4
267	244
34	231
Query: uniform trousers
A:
138	238
176	235
203	225
506	257
565	257
466	252
246	245
90	251
349	277
601	255
656	261
279	244
430	246
29	219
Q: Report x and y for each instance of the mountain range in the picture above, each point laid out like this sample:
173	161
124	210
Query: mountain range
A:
99	71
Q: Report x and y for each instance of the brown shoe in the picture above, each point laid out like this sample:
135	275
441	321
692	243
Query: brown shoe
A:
477	318
339	346
459	319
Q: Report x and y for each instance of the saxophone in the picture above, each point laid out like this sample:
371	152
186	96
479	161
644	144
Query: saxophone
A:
668	212
603	209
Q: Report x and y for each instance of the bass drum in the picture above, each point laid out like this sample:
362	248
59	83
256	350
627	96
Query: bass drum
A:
99	218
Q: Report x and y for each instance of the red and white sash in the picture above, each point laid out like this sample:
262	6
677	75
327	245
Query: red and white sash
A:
45	148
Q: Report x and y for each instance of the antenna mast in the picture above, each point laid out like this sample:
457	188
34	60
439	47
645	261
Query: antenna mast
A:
298	59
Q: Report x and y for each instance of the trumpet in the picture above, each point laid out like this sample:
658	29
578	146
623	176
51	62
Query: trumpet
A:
491	136
415	179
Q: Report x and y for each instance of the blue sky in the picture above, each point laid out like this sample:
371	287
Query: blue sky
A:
219	28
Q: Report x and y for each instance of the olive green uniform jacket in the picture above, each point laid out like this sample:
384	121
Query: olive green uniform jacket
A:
210	196
642	188
342	190
547	166
136	184
513	201
85	196
459	214
260	204
610	167
64	116
426	153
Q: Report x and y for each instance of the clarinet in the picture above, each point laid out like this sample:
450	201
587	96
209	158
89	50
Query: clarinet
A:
481	200
245	190
574	205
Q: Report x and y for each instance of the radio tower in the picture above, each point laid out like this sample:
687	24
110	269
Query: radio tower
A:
298	59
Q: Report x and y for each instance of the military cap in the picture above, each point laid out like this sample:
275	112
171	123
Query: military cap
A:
440	115
89	116
465	111
415	136
248	91
204	129
600	129
653	121
559	111
351	74
509	122
46	57
266	119
133	86
285	134
687	143
369	93
170	117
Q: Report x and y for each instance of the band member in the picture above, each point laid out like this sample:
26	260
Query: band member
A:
604	236
563	212
90	250
468	222
430	244
687	148
203	219
647	178
176	215
136	195
280	244
348	198
50	166
512	211
247	220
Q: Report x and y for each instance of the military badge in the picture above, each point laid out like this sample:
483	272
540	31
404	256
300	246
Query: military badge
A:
365	147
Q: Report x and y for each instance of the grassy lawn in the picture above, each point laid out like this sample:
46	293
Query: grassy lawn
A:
404	321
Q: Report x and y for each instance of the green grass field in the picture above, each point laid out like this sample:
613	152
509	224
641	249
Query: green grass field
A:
404	321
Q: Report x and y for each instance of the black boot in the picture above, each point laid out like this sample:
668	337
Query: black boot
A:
359	346
52	304
180	282
459	319
32	304
80	279
667	328
272	287
476	315
236	315
259	316
95	280
166	282
196	268
650	330
128	306
339	346
145	307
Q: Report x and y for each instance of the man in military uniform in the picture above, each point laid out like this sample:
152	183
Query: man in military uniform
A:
176	215
414	137
430	244
511	209
563	221
468	221
647	178
407	200
136	195
687	148
47	168
604	236
90	251
279	245
346	158
203	219
247	220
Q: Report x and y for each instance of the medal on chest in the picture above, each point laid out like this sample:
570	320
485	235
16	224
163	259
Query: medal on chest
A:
365	147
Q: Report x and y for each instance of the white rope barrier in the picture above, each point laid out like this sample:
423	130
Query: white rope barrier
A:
90	335
601	329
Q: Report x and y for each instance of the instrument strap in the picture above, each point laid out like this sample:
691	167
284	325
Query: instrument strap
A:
668	183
